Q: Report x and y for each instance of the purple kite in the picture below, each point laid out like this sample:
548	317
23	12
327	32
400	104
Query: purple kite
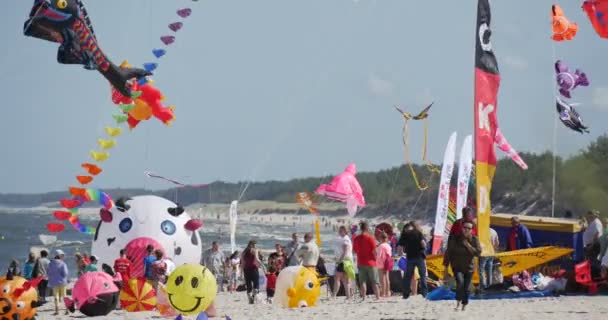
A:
175	26
184	13
566	80
167	40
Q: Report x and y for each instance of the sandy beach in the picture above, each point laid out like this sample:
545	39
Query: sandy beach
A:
235	306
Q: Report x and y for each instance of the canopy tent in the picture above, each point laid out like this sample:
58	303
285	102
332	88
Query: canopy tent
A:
545	231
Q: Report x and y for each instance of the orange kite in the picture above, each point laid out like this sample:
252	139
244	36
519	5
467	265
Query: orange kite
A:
563	29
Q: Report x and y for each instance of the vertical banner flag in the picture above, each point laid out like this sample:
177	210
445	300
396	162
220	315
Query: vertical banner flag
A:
233	214
487	81
443	196
464	174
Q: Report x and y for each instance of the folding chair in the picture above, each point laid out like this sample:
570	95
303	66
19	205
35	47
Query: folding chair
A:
582	275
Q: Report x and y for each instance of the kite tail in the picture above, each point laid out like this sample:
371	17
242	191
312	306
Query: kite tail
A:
420	186
504	145
430	166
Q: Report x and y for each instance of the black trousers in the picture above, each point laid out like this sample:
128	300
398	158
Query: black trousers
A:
463	283
252	279
42	290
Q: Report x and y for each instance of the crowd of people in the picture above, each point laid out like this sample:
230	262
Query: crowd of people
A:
373	253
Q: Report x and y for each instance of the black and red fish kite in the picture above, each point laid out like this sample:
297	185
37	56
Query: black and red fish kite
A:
67	23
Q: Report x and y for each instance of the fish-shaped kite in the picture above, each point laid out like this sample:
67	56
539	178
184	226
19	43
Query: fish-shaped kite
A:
67	23
566	80
422	115
569	117
563	29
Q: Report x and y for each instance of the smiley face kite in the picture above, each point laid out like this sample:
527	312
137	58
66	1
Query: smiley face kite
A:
191	288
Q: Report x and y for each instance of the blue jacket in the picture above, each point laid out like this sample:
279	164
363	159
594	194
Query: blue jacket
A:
523	240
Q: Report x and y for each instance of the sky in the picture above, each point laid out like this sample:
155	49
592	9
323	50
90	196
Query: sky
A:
275	89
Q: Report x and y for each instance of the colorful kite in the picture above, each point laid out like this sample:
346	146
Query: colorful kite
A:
569	117
308	201
567	80
596	11
563	29
143	107
423	115
345	188
67	22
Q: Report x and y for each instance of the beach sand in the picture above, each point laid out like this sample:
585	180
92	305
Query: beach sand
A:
236	306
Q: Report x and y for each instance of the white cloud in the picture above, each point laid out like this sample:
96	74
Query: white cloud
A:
516	63
379	87
599	98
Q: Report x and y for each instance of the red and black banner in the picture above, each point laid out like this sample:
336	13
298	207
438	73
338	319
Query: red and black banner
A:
487	81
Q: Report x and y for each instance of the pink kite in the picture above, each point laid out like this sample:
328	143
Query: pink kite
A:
345	188
94	294
504	145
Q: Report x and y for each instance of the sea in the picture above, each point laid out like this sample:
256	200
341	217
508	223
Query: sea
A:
20	231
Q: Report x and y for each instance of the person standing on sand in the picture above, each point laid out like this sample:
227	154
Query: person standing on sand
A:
292	248
460	255
414	245
148	261
28	267
214	260
364	246
309	252
58	279
384	262
122	265
519	237
250	265
344	255
80	264
486	264
591	235
91	267
13	268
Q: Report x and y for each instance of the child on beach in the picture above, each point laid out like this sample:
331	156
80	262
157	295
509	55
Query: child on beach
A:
384	262
271	281
233	271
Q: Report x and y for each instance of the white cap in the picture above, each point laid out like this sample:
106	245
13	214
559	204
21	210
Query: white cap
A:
59	252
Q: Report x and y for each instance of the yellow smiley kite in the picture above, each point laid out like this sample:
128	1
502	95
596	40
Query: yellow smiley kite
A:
191	288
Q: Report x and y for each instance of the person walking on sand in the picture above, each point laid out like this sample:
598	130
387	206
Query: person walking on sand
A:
41	270
309	252
364	245
460	255
344	256
58	279
234	263
250	265
414	245
384	263
591	235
